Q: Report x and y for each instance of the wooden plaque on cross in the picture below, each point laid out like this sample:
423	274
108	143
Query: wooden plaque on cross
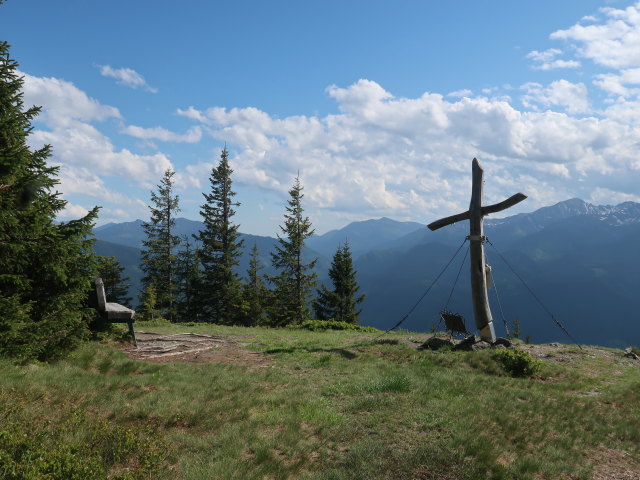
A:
475	215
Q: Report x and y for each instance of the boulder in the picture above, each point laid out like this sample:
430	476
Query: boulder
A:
435	343
502	341
466	343
481	345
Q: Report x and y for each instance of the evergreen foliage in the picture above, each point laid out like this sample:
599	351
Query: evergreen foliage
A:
296	279
341	303
116	286
255	291
220	292
188	281
148	309
45	268
158	257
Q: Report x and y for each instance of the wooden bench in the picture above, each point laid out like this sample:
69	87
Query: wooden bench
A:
114	312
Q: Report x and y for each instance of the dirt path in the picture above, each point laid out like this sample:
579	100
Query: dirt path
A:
192	348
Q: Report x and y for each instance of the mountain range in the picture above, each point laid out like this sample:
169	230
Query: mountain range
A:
573	264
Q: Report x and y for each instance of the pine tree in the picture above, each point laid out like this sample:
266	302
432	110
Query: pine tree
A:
158	257
45	268
220	292
340	303
147	310
255	292
296	279
188	281
116	286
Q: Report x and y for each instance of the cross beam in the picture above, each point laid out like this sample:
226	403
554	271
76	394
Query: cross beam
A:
475	215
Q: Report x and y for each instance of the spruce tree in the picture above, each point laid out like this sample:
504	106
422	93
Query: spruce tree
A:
147	309
188	281
45	268
255	292
220	291
116	285
158	254
340	303
296	279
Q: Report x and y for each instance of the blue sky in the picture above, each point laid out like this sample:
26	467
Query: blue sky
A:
379	105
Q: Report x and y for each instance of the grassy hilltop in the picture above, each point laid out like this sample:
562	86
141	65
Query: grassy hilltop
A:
294	404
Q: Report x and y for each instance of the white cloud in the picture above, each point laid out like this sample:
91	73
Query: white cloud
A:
606	196
72	212
460	93
546	60
383	155
193	135
614	42
127	77
618	84
573	97
63	102
67	113
81	145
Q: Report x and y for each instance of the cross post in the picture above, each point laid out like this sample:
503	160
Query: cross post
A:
475	215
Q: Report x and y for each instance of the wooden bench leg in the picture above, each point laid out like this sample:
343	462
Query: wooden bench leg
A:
133	334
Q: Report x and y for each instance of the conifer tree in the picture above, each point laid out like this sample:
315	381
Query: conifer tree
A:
220	291
188	282
147	310
296	279
45	268
116	286
340	303
255	292
158	257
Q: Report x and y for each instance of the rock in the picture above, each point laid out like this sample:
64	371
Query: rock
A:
435	343
632	355
481	345
466	343
498	346
502	341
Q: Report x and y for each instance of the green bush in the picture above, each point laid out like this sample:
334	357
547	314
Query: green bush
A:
75	448
322	325
517	363
635	350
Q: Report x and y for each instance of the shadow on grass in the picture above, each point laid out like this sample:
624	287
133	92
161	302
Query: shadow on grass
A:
340	351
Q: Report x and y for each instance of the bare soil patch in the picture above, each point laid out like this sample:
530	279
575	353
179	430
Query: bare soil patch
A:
192	348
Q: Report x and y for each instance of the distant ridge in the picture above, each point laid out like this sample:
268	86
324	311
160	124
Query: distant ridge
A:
582	259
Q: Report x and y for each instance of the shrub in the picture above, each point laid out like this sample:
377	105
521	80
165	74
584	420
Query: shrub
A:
322	325
517	363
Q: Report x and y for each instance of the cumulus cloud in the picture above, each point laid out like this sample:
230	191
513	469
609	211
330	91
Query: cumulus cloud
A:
546	60
85	155
573	97
625	83
384	155
72	211
613	42
193	135
63	102
127	77
460	93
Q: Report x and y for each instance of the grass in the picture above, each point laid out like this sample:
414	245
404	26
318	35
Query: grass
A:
325	405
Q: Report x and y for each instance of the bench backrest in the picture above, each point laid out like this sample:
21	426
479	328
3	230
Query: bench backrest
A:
102	297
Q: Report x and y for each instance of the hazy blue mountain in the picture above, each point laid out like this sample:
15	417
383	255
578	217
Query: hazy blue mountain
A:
362	236
580	259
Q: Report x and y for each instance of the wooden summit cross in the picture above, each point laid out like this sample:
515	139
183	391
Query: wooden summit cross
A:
475	215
